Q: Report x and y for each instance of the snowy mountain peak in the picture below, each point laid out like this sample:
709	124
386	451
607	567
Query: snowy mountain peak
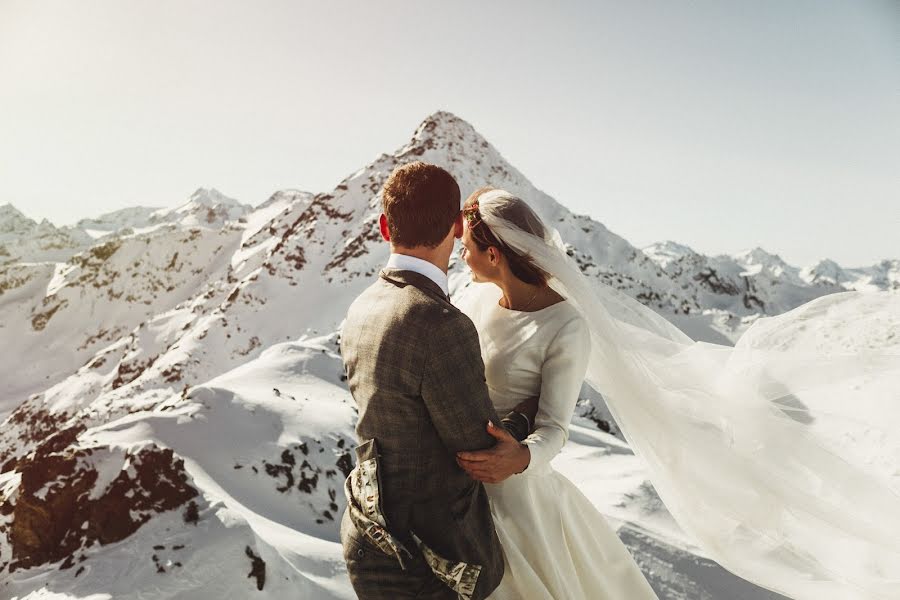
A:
756	261
884	275
824	271
212	197
9	209
448	132
12	219
24	239
131	217
667	252
206	207
826	263
442	124
285	197
758	256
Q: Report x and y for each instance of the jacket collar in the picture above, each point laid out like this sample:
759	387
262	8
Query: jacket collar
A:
406	262
402	278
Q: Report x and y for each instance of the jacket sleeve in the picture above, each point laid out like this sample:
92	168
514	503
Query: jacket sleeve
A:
454	388
561	377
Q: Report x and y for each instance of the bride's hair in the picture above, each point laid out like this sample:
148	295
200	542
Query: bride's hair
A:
518	213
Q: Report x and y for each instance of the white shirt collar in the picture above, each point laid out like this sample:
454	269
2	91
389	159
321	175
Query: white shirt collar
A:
404	262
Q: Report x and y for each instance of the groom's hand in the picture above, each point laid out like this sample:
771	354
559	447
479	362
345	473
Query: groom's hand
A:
506	458
528	407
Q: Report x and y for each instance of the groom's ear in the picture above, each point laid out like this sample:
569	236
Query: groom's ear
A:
458	226
383	225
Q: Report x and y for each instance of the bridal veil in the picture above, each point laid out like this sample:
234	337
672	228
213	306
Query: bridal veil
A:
780	455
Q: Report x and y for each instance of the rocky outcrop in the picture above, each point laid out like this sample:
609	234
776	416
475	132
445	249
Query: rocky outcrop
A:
70	497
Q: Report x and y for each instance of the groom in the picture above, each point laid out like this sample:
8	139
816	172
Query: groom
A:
416	526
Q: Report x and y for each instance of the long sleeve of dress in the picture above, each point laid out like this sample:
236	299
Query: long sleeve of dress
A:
562	374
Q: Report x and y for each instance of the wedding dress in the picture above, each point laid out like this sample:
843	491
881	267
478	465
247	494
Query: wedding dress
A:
555	543
778	456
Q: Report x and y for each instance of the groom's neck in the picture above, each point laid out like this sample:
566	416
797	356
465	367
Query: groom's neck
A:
439	257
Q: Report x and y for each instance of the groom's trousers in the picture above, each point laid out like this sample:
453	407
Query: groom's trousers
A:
377	576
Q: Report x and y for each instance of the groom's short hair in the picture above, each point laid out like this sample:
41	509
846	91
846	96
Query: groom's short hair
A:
421	202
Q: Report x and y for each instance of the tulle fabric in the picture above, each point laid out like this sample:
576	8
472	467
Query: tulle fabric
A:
780	458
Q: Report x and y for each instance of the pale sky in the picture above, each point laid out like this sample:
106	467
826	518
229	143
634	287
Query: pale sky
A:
719	124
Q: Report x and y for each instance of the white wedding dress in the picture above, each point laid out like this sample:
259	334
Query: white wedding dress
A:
778	456
556	544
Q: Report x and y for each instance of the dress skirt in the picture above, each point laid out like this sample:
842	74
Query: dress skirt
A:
557	545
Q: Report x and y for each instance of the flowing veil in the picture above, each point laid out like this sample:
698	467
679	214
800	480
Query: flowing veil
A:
778	457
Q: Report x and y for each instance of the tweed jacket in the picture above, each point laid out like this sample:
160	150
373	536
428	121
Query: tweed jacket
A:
414	368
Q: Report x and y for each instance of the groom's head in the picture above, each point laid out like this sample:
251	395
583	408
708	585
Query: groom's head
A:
421	206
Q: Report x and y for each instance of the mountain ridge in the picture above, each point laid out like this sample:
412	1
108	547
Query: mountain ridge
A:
212	354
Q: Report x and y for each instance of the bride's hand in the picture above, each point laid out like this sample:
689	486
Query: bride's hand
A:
506	458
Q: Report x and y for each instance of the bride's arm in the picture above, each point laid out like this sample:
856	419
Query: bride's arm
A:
561	377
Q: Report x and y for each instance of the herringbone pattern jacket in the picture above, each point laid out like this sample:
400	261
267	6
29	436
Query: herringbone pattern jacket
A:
414	368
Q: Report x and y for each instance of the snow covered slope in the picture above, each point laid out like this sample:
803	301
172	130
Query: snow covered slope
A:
201	343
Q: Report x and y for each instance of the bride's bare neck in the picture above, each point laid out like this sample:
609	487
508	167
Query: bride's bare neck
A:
519	295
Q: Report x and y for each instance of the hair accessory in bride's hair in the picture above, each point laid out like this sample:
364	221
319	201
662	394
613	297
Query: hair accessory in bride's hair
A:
471	213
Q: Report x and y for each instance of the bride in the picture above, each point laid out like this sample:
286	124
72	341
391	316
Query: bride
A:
719	428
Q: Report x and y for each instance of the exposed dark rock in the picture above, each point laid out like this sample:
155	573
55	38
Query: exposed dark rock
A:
257	568
345	463
709	279
309	478
40	319
191	513
129	371
54	515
